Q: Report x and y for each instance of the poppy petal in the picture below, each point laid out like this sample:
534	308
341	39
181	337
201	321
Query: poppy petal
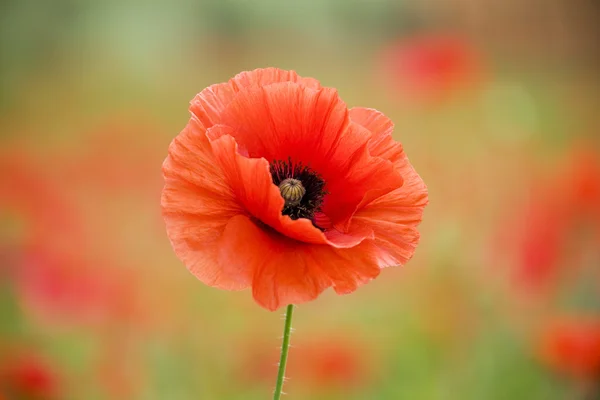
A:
283	273
285	280
396	243
286	120
237	253
394	217
252	185
365	179
354	236
267	76
197	205
286	272
296	276
320	137
381	144
209	104
350	268
251	182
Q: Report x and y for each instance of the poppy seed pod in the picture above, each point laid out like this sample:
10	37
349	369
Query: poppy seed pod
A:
292	191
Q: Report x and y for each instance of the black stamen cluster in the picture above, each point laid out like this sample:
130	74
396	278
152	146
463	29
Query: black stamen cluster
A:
313	184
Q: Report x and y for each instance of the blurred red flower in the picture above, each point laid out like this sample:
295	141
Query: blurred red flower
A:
33	204
431	68
27	376
115	160
276	185
581	181
35	212
541	240
571	345
57	278
330	361
59	287
319	363
560	222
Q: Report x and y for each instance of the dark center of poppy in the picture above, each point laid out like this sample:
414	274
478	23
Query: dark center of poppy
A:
301	188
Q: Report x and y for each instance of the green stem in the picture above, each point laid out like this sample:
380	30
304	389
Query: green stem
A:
285	347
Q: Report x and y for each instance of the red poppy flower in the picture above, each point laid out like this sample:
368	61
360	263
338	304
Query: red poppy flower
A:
581	181
276	185
572	346
29	197
561	220
27	376
57	287
430	68
540	241
56	277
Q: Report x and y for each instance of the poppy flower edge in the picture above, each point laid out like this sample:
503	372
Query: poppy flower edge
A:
226	200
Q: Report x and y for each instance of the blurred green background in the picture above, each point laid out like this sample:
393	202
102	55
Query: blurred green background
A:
496	103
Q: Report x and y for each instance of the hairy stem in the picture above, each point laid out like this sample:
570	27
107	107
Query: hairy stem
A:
285	347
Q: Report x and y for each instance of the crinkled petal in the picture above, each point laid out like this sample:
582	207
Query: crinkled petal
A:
396	242
209	104
395	216
381	143
394	219
290	121
288	272
237	253
350	268
197	204
351	238
253	188
282	270
267	76
361	179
